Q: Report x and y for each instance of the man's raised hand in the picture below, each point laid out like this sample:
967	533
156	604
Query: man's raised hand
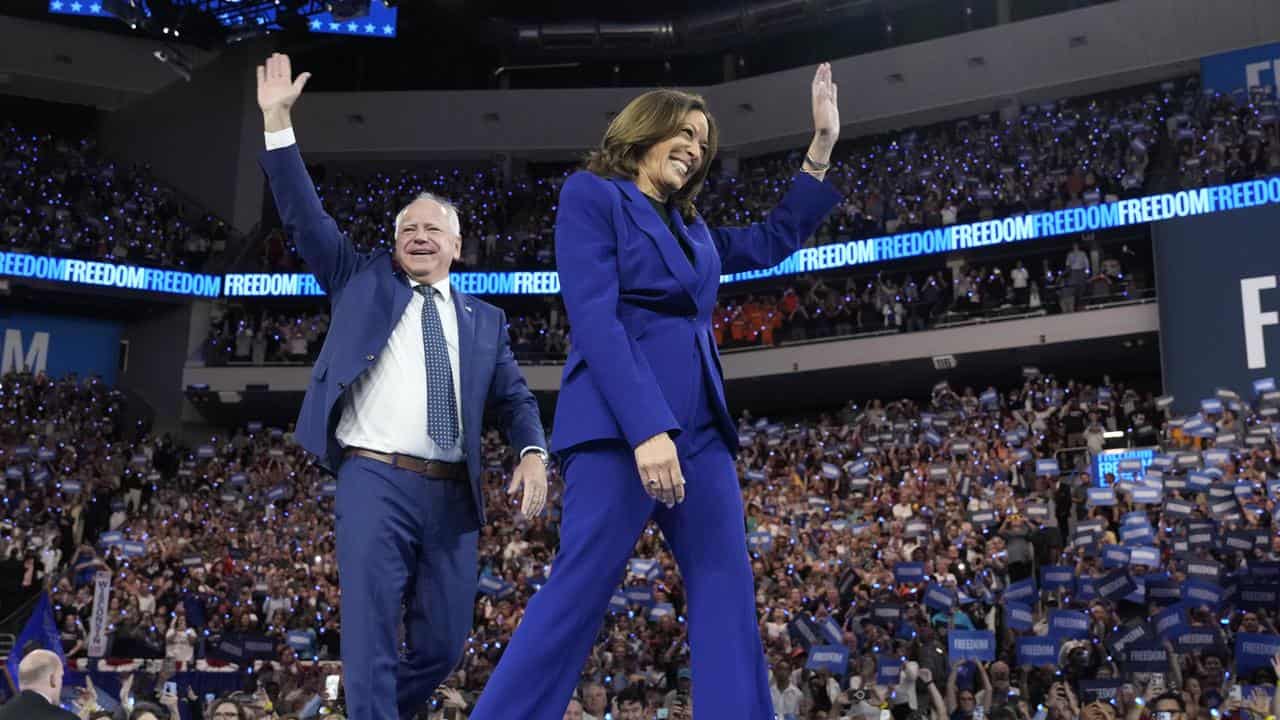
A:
278	90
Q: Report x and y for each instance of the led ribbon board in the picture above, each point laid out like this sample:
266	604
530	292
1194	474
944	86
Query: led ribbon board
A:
1024	228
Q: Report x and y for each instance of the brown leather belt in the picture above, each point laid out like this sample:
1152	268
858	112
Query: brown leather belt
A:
433	469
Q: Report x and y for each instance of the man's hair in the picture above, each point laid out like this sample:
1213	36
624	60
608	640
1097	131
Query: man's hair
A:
450	211
36	667
1171	697
143	708
646	121
632	694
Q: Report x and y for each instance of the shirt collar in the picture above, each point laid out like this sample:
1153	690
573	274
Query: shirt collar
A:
441	285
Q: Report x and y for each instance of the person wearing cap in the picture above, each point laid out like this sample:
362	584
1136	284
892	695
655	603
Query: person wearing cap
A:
684	684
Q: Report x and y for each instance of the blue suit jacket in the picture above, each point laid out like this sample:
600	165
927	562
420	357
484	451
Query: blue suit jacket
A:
642	346
368	295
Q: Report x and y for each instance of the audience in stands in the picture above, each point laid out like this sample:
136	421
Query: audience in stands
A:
59	196
786	310
230	543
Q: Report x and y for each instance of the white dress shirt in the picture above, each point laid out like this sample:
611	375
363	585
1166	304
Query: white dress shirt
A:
386	408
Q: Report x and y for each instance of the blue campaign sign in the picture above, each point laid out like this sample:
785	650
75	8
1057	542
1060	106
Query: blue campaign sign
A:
1168	620
1068	623
908	572
1233	73
1104	690
1053	577
977	645
60	344
1021	591
1240	322
1110	461
1190	639
1101	497
938	597
1034	651
888	669
1254	650
832	658
1199	592
1018	616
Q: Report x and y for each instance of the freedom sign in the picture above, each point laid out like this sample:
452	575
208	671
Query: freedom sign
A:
1034	651
832	658
977	645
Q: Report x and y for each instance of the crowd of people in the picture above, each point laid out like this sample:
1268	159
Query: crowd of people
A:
882	530
1054	155
60	196
805	308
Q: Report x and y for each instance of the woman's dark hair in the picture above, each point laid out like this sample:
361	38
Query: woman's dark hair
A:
241	713
646	121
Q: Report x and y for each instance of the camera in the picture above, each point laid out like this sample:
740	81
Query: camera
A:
858	695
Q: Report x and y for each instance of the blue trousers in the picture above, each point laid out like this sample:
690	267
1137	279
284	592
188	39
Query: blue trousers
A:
605	510
407	548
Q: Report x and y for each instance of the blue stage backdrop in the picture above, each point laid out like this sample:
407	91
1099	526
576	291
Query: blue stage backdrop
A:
1234	72
1219	306
58	345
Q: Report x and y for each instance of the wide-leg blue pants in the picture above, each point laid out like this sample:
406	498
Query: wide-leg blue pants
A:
407	547
605	510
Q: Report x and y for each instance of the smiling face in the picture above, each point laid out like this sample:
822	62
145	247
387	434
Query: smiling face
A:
667	165
427	241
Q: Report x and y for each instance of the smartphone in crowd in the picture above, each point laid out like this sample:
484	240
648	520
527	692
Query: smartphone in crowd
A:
171	688
331	687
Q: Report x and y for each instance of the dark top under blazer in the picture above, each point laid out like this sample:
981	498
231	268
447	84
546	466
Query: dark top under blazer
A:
367	295
640	312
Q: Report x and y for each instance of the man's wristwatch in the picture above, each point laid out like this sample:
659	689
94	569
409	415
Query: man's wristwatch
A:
542	455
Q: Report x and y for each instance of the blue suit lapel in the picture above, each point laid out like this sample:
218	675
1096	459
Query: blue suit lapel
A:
702	252
647	219
466	346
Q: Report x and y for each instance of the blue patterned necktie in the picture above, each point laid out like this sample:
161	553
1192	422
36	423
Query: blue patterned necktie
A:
442	407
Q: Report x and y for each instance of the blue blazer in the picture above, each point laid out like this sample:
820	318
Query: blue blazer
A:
367	295
640	312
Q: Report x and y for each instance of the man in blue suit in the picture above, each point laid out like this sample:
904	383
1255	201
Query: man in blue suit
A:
395	408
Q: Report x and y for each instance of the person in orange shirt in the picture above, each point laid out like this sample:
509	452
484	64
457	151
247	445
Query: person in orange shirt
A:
772	321
719	319
738	327
754	313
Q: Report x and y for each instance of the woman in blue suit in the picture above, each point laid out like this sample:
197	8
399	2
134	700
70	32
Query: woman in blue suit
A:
641	424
